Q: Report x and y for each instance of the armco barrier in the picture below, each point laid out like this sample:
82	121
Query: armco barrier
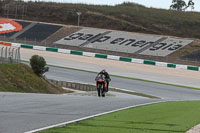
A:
39	48
73	85
89	54
193	68
52	49
139	61
148	62
162	64
101	56
65	51
27	46
181	66
112	57
16	45
5	43
171	65
125	59
76	52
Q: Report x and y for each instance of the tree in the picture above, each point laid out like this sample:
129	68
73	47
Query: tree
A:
191	3
38	65
180	5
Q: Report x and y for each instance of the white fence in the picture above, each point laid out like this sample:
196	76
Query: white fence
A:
9	54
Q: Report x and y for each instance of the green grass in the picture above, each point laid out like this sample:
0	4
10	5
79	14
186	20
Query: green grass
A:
169	117
21	78
157	118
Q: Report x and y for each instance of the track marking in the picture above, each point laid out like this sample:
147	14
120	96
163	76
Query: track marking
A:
88	117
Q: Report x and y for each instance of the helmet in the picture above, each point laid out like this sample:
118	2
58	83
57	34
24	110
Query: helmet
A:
104	70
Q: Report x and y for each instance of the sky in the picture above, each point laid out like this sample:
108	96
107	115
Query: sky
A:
165	4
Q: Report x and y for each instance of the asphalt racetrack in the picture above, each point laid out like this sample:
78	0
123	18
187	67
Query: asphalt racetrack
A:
163	91
26	112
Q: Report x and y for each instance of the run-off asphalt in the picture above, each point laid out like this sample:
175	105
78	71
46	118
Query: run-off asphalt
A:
24	112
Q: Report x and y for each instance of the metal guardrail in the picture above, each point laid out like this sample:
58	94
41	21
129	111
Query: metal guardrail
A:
111	57
73	85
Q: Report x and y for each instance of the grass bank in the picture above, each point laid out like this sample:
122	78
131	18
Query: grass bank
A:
169	117
126	17
21	78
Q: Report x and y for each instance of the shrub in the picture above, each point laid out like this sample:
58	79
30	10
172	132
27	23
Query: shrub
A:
38	65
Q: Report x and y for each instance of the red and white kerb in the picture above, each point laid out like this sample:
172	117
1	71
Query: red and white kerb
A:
7	26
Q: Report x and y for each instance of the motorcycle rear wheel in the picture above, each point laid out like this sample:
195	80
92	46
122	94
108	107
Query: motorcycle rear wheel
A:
100	90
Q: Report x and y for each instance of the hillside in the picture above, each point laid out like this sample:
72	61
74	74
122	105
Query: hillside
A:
20	78
127	17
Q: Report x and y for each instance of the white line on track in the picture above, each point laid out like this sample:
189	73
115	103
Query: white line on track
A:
88	117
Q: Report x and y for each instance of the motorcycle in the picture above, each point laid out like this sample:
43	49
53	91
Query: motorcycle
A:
101	85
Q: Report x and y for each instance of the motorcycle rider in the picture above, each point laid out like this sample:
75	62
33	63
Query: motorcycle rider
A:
107	77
